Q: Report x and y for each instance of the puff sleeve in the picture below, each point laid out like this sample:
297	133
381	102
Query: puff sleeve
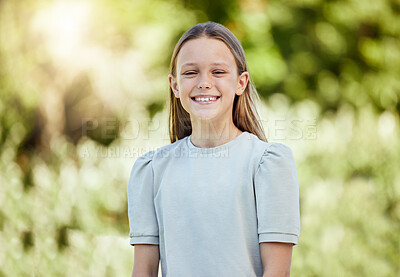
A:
141	211
277	195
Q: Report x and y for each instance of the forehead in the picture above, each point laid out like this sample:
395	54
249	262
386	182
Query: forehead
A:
205	51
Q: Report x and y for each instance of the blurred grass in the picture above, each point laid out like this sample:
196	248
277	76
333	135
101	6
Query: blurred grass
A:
83	93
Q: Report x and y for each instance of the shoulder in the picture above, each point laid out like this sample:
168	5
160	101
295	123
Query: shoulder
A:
142	165
277	165
145	164
159	153
277	149
265	149
277	156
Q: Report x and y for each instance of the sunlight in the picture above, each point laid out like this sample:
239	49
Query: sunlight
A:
64	25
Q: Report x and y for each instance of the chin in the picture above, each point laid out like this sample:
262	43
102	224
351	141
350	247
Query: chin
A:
204	117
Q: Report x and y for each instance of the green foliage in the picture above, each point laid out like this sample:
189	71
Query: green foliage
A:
83	93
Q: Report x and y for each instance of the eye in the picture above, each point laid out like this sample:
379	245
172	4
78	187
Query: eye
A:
219	72
189	73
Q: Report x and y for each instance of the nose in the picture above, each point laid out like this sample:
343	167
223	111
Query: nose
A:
204	83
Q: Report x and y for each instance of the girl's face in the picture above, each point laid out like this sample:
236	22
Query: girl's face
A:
207	80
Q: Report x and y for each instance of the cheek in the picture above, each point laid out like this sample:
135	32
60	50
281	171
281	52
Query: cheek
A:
228	84
186	85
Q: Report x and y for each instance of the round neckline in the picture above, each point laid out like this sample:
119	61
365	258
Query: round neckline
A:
218	148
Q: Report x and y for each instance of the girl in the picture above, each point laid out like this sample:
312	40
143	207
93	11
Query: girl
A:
219	200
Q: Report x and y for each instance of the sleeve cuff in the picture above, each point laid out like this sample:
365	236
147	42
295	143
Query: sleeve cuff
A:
144	240
278	237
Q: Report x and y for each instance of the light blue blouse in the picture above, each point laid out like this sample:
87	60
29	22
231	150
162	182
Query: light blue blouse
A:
209	208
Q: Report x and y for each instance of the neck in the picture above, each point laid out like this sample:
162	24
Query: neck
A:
208	134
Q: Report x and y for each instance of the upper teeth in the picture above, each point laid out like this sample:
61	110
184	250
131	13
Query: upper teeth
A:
205	98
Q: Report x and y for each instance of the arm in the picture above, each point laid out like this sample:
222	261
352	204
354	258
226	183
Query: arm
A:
276	258
146	260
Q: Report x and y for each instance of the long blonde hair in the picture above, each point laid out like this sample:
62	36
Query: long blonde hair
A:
244	112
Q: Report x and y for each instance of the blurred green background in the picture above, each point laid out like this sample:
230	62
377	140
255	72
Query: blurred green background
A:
83	93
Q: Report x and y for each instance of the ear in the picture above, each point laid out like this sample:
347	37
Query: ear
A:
242	82
173	84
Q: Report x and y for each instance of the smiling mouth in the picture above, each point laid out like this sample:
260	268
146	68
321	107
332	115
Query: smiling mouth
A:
205	100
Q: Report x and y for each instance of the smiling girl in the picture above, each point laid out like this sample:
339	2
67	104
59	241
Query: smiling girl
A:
219	200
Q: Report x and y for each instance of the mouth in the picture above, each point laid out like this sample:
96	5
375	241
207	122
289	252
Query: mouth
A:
205	100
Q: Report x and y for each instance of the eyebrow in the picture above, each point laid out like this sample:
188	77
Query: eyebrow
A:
213	64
